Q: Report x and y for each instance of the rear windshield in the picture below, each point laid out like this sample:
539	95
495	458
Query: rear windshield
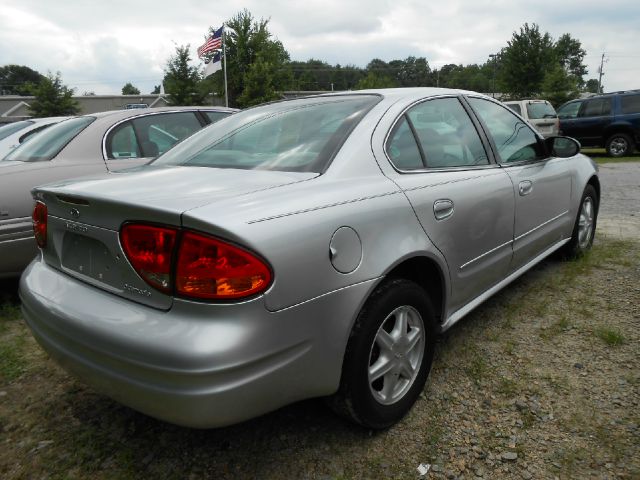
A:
298	136
540	110
50	142
14	127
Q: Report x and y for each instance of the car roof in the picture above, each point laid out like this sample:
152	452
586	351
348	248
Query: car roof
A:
135	112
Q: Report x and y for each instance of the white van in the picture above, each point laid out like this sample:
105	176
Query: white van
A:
539	113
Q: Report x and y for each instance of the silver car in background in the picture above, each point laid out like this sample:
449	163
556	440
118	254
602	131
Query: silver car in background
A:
88	144
314	247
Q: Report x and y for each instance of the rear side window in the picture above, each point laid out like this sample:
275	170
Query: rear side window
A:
445	135
540	110
630	103
215	116
513	138
122	142
51	141
151	135
596	107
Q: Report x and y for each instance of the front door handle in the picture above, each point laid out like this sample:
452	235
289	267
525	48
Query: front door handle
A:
442	209
525	187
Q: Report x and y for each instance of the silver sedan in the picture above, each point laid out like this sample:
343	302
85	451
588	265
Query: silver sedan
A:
101	142
307	248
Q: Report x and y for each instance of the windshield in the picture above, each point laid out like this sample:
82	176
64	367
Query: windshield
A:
14	127
540	110
298	136
48	143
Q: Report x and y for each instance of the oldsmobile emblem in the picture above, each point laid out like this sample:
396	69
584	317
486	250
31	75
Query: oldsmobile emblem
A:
75	213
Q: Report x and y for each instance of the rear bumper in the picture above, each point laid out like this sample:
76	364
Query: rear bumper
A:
197	365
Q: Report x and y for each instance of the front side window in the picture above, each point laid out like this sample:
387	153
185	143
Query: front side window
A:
51	141
569	110
513	138
299	135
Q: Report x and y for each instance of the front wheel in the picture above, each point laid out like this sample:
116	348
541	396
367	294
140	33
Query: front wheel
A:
388	356
619	145
585	227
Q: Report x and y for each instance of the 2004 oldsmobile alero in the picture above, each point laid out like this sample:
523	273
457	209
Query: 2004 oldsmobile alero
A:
305	248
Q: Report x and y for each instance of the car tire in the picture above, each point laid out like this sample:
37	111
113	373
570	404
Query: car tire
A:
394	333
584	228
619	145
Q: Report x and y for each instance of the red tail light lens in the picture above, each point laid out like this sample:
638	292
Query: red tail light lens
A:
150	249
39	218
208	268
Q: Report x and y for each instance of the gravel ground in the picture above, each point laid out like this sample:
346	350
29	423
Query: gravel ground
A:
541	381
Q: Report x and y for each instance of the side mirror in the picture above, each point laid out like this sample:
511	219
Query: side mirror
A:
562	147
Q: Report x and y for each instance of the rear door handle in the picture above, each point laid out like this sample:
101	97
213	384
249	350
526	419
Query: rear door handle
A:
442	209
525	187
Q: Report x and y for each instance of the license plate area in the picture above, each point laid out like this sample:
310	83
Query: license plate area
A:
88	257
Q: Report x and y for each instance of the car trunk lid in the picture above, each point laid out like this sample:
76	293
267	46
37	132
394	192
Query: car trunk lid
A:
85	217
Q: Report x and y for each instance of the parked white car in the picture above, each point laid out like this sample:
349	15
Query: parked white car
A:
16	133
539	113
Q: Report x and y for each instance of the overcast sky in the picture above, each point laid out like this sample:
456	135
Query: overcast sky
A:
98	46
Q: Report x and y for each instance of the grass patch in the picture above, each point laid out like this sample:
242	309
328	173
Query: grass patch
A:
599	155
611	336
12	361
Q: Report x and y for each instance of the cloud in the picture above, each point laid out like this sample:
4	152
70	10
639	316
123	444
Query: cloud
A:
99	46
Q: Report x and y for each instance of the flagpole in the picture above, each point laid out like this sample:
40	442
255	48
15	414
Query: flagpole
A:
224	58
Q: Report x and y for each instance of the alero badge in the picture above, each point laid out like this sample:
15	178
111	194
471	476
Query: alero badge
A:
75	213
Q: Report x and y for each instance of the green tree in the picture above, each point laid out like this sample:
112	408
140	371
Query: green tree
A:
181	79
524	62
52	98
591	86
129	89
559	86
412	72
248	42
156	90
375	80
570	55
18	80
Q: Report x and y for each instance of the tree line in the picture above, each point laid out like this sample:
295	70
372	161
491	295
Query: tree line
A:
531	65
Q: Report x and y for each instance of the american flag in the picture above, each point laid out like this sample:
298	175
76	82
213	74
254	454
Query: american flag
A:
214	42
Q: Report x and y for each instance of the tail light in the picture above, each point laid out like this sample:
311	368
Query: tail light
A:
39	218
209	268
193	264
150	249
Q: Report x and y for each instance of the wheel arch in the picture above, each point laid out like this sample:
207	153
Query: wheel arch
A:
429	275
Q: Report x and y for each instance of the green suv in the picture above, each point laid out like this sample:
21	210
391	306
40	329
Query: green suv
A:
611	121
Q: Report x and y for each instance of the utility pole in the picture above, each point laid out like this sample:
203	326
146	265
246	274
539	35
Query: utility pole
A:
601	73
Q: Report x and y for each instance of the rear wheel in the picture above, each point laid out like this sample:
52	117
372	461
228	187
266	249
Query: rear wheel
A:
619	145
388	356
585	227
